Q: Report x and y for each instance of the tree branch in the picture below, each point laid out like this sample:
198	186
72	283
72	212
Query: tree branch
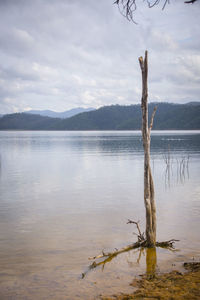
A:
140	236
152	118
128	7
191	1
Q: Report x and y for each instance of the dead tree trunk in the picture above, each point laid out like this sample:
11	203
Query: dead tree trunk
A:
149	200
150	240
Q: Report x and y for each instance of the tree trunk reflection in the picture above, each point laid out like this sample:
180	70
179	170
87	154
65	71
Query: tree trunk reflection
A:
151	261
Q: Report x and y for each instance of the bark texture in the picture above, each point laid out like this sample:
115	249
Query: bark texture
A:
149	195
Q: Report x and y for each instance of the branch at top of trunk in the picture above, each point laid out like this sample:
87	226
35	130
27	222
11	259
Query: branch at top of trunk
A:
144	62
141	62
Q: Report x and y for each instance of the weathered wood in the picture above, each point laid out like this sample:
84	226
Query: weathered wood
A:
149	195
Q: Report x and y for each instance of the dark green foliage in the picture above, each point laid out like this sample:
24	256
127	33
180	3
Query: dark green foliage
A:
115	117
23	121
177	116
104	118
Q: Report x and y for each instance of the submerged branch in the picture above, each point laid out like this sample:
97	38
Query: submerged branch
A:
141	243
169	245
110	255
119	251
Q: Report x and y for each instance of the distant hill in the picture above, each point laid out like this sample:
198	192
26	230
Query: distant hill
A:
23	121
66	114
168	117
193	103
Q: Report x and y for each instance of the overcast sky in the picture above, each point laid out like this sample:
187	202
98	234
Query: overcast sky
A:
61	54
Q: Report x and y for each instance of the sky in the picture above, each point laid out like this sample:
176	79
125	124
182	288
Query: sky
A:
62	54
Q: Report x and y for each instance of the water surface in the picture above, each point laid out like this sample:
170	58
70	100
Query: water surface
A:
66	196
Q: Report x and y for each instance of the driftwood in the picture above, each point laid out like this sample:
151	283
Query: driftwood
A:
141	243
108	256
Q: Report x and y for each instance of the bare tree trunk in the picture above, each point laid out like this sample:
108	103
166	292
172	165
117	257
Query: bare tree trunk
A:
149	200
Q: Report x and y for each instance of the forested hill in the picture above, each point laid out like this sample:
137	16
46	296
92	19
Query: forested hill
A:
115	117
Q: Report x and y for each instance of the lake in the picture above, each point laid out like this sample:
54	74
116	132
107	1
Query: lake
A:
66	196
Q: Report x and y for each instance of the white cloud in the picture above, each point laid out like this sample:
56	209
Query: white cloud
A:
63	54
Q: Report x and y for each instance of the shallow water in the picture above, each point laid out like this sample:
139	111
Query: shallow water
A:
66	196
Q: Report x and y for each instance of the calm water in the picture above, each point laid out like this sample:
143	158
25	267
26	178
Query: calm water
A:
66	196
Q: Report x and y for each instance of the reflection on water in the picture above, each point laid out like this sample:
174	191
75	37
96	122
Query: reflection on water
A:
66	196
151	260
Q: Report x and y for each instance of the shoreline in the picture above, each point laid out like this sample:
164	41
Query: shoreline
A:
171	285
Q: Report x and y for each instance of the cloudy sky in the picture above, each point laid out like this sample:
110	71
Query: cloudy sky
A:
61	54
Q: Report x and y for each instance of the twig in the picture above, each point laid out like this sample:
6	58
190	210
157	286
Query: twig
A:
140	236
191	1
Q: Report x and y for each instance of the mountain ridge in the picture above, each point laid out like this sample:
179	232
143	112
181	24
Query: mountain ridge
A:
169	116
65	114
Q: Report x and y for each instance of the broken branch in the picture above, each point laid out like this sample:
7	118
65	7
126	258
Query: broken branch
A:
152	118
140	236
